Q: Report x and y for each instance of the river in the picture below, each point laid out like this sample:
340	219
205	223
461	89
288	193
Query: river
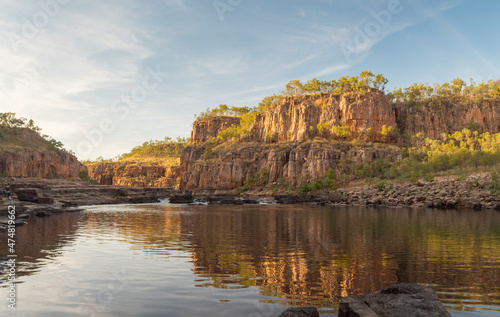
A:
249	261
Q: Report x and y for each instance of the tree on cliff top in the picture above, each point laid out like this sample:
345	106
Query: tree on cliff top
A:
456	88
9	121
360	84
223	110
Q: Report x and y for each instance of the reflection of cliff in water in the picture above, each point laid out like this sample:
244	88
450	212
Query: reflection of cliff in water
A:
308	255
304	254
40	241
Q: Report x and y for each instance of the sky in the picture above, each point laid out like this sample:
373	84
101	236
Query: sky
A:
105	76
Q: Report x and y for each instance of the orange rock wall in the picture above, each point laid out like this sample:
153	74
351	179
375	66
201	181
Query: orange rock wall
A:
34	163
135	174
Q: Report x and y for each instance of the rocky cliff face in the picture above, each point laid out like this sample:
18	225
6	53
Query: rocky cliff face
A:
33	163
296	118
291	161
135	174
282	145
204	129
434	118
24	153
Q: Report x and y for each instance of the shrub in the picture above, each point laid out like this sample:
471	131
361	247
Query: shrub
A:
495	182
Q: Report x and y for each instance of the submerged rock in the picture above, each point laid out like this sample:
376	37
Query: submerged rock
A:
300	312
404	299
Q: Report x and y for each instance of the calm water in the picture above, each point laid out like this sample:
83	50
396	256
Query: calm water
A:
251	261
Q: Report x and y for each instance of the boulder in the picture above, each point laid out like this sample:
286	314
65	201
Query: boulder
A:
300	312
181	199
404	299
29	194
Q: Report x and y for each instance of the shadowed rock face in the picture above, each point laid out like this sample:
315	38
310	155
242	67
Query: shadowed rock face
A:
292	161
409	300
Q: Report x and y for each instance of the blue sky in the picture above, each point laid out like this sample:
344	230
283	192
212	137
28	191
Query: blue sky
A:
105	76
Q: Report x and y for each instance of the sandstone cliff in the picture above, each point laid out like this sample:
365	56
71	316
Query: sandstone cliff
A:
24	153
286	142
206	128
137	174
433	118
296	118
292	162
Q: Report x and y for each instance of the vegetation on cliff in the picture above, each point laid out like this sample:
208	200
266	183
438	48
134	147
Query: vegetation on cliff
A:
465	134
167	151
20	133
461	151
456	88
153	164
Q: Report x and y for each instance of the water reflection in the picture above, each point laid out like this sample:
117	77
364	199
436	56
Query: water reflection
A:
304	255
41	241
315	256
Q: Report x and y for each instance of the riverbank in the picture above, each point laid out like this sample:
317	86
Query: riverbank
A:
42	197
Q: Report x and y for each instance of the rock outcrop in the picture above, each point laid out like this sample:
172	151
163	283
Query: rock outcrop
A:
68	193
204	129
40	164
296	118
137	174
24	153
404	299
296	139
293	162
447	116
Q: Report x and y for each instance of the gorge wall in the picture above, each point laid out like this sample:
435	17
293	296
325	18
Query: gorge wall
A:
283	143
40	164
137	174
296	118
24	153
447	116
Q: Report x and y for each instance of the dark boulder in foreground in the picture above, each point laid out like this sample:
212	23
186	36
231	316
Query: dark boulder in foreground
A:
409	300
181	199
29	194
300	312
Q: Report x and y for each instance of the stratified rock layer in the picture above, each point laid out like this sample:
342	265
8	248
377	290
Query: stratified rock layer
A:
40	164
291	161
137	174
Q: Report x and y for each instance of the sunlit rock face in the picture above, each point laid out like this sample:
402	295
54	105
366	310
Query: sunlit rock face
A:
139	174
204	129
295	140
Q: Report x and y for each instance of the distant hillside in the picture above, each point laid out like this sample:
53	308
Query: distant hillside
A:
25	152
18	139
